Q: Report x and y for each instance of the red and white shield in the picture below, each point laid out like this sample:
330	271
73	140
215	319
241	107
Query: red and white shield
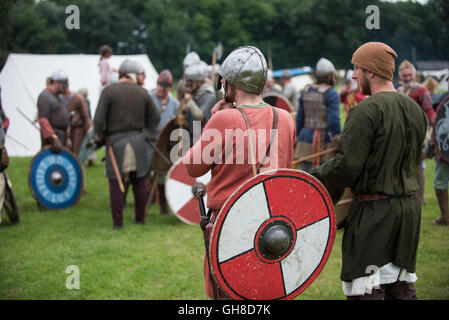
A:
178	192
273	236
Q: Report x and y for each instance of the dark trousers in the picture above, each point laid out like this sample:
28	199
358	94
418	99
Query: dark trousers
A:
117	200
398	290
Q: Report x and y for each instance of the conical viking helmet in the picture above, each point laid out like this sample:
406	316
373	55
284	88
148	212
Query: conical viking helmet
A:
245	68
60	76
130	66
127	66
195	72
324	67
190	59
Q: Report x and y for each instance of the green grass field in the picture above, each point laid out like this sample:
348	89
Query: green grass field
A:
162	259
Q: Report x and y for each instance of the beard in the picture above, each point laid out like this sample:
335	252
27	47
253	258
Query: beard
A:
62	89
405	82
365	87
408	84
229	93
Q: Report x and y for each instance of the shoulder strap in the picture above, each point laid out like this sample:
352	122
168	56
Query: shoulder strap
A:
272	134
250	144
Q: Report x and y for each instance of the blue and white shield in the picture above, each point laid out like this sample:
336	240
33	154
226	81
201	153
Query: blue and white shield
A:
55	180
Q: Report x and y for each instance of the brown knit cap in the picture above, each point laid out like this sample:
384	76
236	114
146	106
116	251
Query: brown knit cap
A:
376	57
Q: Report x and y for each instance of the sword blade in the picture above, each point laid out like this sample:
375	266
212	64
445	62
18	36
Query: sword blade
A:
17	141
159	152
28	119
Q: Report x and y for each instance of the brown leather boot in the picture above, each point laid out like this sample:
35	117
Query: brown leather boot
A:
442	196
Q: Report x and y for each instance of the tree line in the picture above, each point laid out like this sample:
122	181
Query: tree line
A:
293	33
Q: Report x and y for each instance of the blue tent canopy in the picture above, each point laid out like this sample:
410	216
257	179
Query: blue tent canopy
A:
293	71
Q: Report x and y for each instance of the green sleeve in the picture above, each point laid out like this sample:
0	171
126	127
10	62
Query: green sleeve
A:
353	151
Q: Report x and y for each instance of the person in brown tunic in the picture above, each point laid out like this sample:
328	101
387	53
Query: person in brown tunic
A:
80	122
125	115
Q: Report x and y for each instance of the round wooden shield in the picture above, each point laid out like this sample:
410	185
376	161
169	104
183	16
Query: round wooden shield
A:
441	130
55	180
277	100
164	145
178	192
10	204
272	236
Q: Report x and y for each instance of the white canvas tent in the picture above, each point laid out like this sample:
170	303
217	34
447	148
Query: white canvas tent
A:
302	80
440	75
301	77
23	78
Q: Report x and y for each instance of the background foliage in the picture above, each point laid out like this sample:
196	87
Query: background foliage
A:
297	33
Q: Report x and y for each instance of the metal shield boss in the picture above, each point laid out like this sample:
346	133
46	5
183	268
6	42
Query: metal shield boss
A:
55	180
441	129
178	192
272	236
277	100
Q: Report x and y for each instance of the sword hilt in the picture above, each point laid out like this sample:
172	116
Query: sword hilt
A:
199	190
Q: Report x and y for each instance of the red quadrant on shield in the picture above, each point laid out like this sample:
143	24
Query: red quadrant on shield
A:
285	193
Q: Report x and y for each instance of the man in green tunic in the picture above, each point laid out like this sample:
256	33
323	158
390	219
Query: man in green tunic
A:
378	158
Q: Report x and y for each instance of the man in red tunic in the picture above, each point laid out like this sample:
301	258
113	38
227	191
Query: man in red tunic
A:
421	96
220	148
414	89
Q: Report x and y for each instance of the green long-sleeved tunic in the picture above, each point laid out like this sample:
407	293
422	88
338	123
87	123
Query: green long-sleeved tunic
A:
379	153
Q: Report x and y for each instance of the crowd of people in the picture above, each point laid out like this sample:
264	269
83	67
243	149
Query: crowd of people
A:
379	154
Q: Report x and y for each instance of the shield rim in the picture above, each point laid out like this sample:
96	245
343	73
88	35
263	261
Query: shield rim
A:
278	95
433	127
177	162
14	216
81	174
240	191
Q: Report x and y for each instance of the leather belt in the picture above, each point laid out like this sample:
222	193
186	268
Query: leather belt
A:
377	196
370	197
